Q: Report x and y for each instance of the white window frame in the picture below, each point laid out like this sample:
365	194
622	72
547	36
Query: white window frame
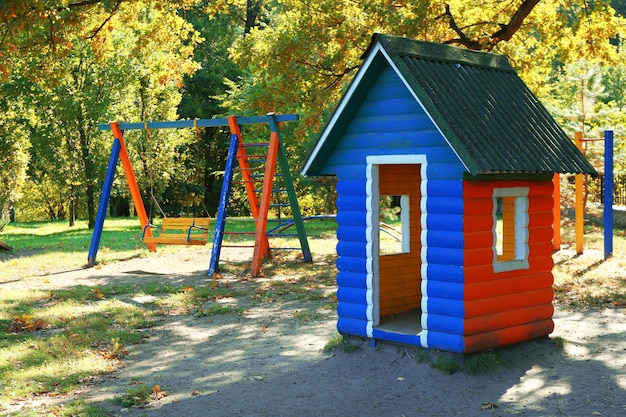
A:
521	219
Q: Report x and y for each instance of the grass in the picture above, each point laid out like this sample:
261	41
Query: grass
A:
54	340
480	362
589	280
342	343
445	364
50	245
134	396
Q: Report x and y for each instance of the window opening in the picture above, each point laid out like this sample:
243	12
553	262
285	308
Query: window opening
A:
393	235
510	218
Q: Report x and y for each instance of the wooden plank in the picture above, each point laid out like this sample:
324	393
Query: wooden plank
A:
506	302
181	231
5	246
508	335
508	318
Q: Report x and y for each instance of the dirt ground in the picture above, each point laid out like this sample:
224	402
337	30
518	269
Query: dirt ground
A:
266	362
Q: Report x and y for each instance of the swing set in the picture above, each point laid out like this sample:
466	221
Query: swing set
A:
258	175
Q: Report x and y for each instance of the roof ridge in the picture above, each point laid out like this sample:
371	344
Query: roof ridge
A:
398	46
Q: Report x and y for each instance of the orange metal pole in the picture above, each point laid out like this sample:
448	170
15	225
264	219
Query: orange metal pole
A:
132	183
556	211
580	208
242	159
266	195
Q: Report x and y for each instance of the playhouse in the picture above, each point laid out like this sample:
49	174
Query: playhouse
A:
464	153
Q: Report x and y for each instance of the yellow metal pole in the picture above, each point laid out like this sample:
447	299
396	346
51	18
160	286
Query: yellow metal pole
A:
132	183
556	211
580	208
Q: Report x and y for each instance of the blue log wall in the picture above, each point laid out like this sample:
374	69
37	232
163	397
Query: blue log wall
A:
390	122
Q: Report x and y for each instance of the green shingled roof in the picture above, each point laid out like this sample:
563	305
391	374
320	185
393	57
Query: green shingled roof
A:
487	114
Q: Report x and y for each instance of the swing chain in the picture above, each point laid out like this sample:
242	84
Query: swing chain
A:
157	204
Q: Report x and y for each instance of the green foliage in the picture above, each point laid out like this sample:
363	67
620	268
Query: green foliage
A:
142	50
14	146
302	58
558	341
308	315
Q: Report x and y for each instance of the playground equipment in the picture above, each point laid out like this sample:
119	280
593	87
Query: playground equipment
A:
257	167
607	198
258	170
180	230
4	246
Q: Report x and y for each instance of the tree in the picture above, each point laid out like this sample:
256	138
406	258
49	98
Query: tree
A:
303	56
132	70
45	31
200	190
14	147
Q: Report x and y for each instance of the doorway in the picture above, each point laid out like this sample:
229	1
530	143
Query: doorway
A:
397	249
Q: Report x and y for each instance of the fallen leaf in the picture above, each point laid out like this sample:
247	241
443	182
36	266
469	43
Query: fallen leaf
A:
489	406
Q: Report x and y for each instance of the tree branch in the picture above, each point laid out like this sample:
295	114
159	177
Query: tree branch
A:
99	28
462	37
83	3
505	33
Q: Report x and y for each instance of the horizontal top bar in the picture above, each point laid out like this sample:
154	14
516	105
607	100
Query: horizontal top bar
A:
591	139
201	122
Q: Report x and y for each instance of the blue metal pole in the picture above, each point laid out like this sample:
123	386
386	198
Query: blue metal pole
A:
608	193
201	122
104	203
223	204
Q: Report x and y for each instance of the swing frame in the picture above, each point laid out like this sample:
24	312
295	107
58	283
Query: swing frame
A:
119	152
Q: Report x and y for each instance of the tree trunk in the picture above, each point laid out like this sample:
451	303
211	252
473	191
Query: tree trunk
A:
89	169
71	210
253	7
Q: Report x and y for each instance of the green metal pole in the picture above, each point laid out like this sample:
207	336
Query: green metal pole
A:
291	192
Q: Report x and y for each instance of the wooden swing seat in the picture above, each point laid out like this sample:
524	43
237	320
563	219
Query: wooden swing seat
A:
179	231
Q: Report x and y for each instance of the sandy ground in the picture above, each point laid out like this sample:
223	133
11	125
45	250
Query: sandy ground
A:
266	362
